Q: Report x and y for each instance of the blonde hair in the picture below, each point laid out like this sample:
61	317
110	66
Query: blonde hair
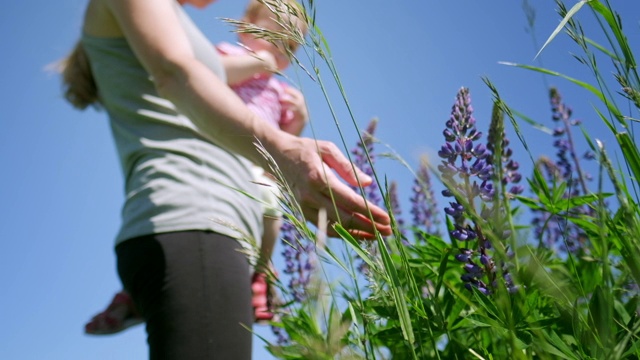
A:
78	84
261	8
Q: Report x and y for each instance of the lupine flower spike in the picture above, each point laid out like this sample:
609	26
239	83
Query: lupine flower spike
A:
467	173
395	209
423	203
360	152
554	230
363	149
299	260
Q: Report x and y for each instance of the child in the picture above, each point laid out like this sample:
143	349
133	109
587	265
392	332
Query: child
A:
249	71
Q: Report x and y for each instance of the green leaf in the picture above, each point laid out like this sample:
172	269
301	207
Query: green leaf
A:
398	294
611	19
614	110
529	202
454	310
555	346
533	123
441	271
630	152
344	234
558	194
338	261
487	304
577	201
482	321
621	311
601	315
603	49
564	22
540	184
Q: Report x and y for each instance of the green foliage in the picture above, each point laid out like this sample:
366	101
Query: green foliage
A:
571	302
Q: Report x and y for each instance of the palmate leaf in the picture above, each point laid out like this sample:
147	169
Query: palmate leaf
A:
558	193
577	201
553	345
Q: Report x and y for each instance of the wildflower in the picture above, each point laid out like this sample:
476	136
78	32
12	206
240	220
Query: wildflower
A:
566	153
395	209
363	149
498	147
556	230
298	258
468	172
282	338
423	203
458	153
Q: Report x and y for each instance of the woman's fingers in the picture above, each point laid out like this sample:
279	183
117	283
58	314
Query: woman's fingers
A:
351	202
349	225
336	160
349	208
317	186
357	215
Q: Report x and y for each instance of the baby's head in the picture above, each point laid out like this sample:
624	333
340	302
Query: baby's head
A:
261	16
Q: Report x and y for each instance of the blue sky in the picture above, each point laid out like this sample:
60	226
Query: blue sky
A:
403	63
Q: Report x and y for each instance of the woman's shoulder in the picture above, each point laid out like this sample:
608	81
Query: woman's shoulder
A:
99	20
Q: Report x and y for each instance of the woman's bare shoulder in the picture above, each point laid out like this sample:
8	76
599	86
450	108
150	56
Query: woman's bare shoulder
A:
99	20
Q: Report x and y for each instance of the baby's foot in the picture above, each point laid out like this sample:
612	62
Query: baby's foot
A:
119	315
262	311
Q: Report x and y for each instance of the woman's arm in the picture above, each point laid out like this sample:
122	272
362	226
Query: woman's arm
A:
158	40
153	30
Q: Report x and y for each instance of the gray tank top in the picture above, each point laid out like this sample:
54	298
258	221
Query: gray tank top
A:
174	179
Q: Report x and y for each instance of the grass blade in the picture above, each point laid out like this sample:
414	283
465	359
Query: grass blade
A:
562	24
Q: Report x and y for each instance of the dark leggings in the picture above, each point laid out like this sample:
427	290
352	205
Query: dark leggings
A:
193	289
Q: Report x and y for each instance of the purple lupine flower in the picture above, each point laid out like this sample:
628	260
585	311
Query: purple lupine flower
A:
423	203
555	230
459	135
566	152
299	263
360	160
282	338
396	210
462	160
497	141
468	173
299	260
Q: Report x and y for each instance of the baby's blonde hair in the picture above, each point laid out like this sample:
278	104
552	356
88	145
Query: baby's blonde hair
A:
257	9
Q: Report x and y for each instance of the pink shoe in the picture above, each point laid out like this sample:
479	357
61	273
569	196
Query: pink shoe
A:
120	315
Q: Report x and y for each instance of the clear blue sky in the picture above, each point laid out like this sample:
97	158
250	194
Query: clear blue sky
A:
401	61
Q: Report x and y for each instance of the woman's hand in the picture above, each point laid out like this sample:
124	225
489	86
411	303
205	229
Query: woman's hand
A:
313	169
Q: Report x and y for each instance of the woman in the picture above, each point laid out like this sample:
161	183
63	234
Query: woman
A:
185	142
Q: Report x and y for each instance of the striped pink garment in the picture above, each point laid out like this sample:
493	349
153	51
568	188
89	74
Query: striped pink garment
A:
261	93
